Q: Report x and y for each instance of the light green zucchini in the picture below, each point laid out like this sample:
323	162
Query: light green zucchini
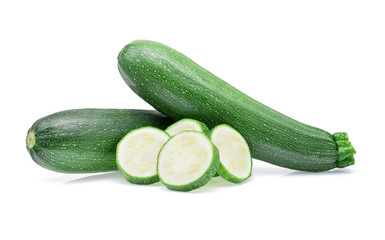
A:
178	87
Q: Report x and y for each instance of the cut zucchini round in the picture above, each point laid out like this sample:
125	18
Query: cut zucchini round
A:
235	158
187	124
137	152
187	161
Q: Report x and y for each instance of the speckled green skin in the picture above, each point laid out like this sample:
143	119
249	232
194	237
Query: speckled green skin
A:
180	88
85	140
222	170
202	180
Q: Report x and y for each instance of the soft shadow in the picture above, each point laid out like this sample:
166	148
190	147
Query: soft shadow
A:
270	171
111	176
114	177
333	172
214	185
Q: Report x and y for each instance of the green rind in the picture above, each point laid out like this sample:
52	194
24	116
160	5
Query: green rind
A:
204	128
225	174
222	170
84	140
178	87
200	182
134	179
139	180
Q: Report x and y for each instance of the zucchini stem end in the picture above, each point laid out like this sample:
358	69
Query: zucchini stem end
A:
345	150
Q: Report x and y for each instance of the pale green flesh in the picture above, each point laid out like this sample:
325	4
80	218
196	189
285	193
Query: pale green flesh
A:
235	157
31	139
138	151
185	160
183	125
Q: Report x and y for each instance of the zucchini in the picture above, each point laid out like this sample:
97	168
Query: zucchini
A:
187	124
137	154
84	140
178	87
234	153
187	161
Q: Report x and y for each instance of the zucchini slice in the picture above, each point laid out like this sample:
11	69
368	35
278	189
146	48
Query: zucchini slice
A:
187	124
187	161
136	154
235	158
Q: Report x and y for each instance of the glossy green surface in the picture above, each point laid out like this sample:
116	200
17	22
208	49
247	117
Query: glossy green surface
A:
180	88
85	140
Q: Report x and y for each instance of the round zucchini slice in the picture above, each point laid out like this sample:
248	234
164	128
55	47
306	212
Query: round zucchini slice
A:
137	152
235	158
187	124
187	161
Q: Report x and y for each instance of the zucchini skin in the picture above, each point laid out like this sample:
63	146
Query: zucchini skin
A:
85	140
178	87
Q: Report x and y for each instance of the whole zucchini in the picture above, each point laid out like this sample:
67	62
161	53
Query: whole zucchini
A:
180	88
85	140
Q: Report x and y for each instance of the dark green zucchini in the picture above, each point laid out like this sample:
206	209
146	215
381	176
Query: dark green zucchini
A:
178	87
85	140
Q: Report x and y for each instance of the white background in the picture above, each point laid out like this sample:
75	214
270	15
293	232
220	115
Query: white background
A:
320	62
